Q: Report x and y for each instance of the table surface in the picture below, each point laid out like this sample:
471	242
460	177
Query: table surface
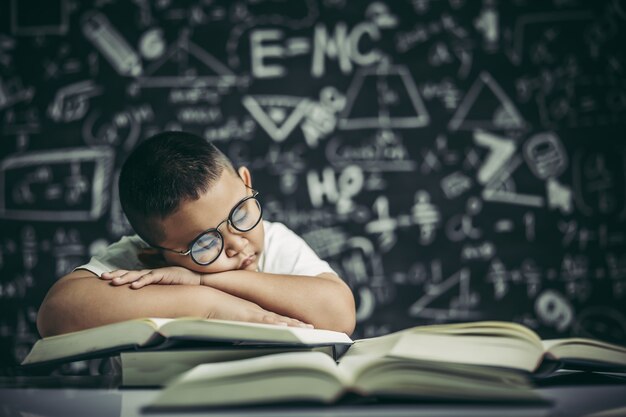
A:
571	394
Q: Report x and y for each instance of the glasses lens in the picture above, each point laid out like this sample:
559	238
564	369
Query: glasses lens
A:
207	248
246	215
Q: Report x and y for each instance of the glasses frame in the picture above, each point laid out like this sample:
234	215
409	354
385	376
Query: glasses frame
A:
216	229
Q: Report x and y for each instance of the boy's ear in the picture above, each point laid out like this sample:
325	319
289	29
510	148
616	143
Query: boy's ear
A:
245	175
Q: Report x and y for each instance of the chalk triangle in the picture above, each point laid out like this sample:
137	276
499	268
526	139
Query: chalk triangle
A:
186	63
277	115
486	106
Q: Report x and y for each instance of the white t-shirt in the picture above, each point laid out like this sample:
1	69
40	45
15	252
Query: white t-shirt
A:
285	253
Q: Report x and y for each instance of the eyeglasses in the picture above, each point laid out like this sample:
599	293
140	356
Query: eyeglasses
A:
208	245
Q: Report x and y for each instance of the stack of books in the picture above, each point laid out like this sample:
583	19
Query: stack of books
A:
150	351
216	363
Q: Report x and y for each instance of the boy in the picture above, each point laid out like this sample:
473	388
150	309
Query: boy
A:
199	224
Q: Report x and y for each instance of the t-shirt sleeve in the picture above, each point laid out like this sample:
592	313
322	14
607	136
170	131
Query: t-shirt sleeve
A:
287	253
119	255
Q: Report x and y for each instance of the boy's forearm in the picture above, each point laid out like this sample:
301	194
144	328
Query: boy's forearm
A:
325	302
84	301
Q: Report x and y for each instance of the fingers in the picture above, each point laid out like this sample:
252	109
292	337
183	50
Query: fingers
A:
137	279
273	318
151	277
141	282
141	278
113	274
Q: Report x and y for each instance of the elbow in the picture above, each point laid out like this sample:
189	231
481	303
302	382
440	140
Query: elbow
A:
45	324
42	325
342	313
345	325
53	316
348	322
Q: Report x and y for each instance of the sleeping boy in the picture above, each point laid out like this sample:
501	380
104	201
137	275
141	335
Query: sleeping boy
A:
201	248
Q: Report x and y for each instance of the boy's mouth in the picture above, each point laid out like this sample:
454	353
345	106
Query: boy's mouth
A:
246	262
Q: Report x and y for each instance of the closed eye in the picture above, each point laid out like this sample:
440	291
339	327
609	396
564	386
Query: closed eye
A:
240	215
207	245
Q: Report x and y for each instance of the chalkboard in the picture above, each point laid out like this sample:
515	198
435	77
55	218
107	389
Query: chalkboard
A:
452	160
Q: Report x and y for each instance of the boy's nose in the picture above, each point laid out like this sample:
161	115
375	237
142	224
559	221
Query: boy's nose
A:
234	243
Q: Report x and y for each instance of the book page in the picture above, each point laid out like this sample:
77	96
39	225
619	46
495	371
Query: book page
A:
421	379
239	331
486	328
285	376
90	341
375	346
476	350
586	349
382	345
157	322
292	361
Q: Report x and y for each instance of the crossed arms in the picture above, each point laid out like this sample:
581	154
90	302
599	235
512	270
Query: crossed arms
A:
80	300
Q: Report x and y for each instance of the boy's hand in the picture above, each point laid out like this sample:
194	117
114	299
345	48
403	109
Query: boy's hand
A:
238	309
174	275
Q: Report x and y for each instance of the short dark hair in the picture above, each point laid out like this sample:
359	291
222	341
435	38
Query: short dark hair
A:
161	173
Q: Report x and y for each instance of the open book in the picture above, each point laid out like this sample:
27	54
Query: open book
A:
315	377
160	333
484	361
496	344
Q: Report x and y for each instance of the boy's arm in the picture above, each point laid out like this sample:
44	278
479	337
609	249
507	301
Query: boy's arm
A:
80	300
324	300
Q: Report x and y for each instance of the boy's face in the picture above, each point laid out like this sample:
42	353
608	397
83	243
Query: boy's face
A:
241	250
